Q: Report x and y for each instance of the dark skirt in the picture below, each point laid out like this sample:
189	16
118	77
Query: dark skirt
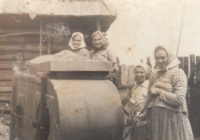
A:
164	124
139	133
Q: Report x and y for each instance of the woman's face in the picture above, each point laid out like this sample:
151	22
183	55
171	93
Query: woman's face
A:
161	59
140	75
76	41
97	41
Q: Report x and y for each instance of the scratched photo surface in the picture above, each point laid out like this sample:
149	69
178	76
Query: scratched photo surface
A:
56	84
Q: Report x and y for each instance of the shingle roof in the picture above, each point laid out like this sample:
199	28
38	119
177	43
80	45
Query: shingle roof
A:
57	7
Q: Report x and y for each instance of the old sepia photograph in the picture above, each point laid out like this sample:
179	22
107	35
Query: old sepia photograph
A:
99	70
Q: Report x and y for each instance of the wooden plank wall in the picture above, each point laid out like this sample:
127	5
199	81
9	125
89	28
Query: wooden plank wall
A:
14	50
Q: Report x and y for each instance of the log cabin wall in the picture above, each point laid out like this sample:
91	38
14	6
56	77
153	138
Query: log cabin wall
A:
20	41
14	50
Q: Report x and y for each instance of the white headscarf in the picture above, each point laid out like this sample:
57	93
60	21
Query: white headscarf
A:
172	60
146	68
82	45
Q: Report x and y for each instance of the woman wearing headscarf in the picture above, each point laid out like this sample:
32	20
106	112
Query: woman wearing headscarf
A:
100	51
168	117
77	48
138	99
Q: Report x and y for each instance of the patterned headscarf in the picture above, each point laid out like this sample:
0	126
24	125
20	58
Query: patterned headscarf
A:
82	45
172	60
146	68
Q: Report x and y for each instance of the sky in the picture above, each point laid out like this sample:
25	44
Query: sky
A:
141	25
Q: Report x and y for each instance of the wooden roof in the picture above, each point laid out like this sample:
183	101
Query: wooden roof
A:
57	7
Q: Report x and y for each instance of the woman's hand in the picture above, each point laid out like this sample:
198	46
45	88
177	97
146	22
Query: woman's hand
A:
139	117
112	75
155	91
132	101
160	84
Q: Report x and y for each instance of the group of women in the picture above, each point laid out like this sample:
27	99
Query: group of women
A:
100	50
161	93
162	99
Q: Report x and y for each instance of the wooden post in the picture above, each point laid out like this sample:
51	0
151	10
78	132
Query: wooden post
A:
181	28
98	25
186	65
149	62
131	75
13	103
192	63
181	59
197	59
123	74
42	107
40	47
49	46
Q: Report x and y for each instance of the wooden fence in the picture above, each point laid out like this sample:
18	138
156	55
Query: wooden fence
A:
126	78
187	63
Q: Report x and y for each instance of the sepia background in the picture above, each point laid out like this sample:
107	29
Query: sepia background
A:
141	25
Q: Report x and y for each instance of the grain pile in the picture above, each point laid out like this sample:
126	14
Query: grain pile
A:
62	56
67	55
42	59
29	67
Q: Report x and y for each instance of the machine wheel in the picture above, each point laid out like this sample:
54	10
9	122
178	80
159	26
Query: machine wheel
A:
43	123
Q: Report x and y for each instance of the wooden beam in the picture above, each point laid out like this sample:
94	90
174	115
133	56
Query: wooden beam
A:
15	48
6	65
78	66
181	59
5	89
131	75
5	99
26	56
6	77
49	46
111	9
197	59
149	62
3	107
32	47
123	79
192	63
186	65
18	34
181	28
5	83
20	39
7	57
8	95
40	47
16	30
98	25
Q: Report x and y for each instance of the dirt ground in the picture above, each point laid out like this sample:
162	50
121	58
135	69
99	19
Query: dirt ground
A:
4	127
